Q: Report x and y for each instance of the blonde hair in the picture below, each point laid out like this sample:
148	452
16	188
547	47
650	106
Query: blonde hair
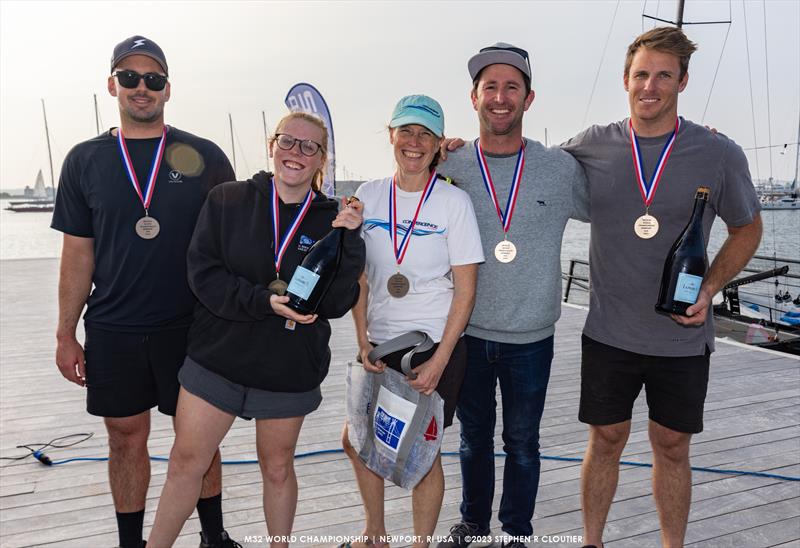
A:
666	40
316	183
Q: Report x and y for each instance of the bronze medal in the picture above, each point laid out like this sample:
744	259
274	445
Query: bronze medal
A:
398	286
646	226
147	228
505	251
278	287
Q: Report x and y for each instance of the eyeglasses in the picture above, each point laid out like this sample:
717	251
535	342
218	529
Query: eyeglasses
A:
307	146
130	79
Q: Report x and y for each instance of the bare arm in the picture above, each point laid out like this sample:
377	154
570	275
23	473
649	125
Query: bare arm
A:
740	245
464	281
75	282
359	313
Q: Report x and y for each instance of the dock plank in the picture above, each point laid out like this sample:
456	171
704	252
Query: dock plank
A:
752	423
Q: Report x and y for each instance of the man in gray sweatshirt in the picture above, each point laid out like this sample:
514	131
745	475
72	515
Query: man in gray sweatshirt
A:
523	194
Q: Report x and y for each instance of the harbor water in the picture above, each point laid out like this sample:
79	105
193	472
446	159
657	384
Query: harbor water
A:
29	236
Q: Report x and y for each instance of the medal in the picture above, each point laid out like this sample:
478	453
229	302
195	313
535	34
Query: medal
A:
147	227
398	285
505	251
646	226
278	287
279	246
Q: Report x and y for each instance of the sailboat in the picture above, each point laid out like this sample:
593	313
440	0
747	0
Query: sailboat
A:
788	199
40	202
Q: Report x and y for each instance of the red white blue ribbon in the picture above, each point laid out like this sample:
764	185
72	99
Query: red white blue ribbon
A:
147	196
281	245
400	250
648	188
505	217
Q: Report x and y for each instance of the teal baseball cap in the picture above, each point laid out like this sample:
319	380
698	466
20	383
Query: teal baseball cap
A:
421	110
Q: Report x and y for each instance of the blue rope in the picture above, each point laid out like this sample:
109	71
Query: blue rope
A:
455	454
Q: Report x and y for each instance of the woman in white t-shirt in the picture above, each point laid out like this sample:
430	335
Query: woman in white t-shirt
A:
423	250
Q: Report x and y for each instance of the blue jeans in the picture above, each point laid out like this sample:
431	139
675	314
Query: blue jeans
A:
523	371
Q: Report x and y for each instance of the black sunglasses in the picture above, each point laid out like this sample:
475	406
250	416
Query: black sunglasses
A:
130	79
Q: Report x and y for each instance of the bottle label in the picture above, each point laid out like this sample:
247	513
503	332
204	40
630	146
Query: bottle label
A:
303	283
687	288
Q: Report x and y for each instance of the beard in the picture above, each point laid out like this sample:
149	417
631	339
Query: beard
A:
152	113
501	127
143	117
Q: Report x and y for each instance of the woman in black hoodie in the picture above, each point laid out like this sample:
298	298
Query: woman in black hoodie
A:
249	354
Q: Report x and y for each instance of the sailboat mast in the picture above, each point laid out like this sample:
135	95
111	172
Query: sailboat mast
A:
266	136
796	158
96	115
679	15
233	148
49	153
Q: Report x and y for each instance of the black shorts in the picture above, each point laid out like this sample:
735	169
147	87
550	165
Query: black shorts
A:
128	373
611	379
451	380
242	401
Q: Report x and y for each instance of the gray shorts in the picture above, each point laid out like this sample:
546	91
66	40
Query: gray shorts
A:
242	401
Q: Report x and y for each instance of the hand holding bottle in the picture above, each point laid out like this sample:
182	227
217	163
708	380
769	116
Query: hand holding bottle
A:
350	216
697	313
278	304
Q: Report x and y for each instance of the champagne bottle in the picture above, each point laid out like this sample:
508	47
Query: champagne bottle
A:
685	265
313	277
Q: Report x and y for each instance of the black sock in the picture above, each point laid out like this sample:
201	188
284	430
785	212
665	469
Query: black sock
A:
129	525
210	512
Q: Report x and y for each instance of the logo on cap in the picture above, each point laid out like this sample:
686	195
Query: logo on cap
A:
425	108
137	43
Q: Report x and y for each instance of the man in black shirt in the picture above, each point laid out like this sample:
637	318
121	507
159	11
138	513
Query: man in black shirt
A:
127	204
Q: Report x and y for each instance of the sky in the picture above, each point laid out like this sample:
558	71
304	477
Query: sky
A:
241	58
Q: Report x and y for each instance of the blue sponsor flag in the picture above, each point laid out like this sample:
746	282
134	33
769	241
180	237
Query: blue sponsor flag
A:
306	98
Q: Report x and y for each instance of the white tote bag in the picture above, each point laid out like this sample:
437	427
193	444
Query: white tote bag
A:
396	430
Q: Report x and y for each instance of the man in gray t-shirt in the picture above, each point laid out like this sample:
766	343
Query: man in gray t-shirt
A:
523	194
626	344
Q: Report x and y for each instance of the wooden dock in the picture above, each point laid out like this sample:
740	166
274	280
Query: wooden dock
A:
752	423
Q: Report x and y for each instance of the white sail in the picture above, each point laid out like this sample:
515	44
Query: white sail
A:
39	190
